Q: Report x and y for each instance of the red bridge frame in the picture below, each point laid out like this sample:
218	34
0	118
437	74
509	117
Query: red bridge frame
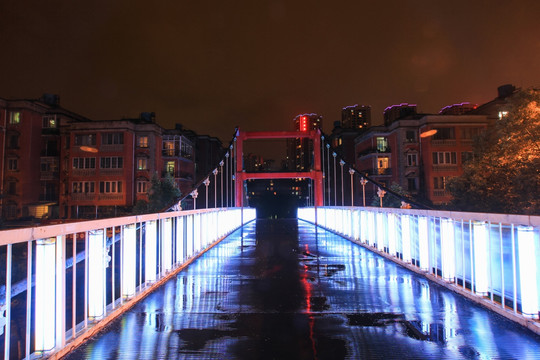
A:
315	173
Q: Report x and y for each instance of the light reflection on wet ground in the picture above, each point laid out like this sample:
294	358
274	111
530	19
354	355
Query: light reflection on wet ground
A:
284	292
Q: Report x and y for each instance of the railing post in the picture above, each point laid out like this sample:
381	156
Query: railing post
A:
351	172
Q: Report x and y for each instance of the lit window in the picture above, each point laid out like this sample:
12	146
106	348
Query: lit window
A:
168	147
14	117
49	122
142	164
503	114
382	144
170	167
142	141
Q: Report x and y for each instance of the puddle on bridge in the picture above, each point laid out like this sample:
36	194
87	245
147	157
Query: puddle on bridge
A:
284	291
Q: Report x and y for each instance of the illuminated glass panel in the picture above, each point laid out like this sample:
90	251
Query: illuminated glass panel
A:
423	246
448	253
150	259
45	298
480	257
528	271
96	274
129	252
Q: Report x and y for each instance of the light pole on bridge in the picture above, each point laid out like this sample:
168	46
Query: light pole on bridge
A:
328	172
227	178
341	163
335	181
351	172
221	168
323	175
363	182
215	187
206	182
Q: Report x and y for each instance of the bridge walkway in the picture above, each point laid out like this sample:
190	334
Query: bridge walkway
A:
278	289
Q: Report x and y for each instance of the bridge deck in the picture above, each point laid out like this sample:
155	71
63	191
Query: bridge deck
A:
283	291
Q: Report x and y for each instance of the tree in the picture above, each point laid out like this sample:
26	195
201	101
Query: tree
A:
162	193
504	174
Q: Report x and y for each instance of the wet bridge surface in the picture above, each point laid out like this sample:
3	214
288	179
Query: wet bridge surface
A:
280	290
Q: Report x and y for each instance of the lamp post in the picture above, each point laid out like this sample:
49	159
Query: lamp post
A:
328	172
221	170
206	182
194	195
227	178
323	175
341	163
363	182
351	172
381	193
215	187
335	181
231	147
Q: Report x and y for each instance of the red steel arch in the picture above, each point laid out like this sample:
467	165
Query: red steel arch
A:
315	173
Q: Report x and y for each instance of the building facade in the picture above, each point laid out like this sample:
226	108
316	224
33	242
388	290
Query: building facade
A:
31	157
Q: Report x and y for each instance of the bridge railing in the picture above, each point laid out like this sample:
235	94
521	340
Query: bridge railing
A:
491	256
59	284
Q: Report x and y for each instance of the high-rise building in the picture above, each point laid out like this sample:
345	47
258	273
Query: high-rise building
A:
300	150
357	117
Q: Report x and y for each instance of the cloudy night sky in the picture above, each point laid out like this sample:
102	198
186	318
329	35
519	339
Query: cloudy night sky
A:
214	65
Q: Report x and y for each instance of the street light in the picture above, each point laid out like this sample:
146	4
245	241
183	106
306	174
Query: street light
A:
215	187
324	178
227	178
335	181
351	172
381	193
206	182
328	172
341	163
231	147
363	182
221	170
194	195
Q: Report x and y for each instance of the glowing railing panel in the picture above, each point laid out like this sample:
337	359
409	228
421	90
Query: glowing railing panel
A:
493	256
149	247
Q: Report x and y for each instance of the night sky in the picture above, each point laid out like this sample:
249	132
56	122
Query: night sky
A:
214	65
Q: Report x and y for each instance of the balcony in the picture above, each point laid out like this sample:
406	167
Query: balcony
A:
443	142
438	168
83	172
377	172
111	172
109	197
441	193
112	148
49	175
370	151
83	197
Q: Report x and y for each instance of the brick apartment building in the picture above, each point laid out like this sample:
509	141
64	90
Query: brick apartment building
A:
57	164
419	152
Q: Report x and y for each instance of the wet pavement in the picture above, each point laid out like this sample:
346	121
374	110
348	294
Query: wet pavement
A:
283	291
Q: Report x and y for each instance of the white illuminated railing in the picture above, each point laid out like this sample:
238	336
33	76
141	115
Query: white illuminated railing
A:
83	274
495	257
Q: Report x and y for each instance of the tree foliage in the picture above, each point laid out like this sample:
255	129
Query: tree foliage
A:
504	174
162	193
